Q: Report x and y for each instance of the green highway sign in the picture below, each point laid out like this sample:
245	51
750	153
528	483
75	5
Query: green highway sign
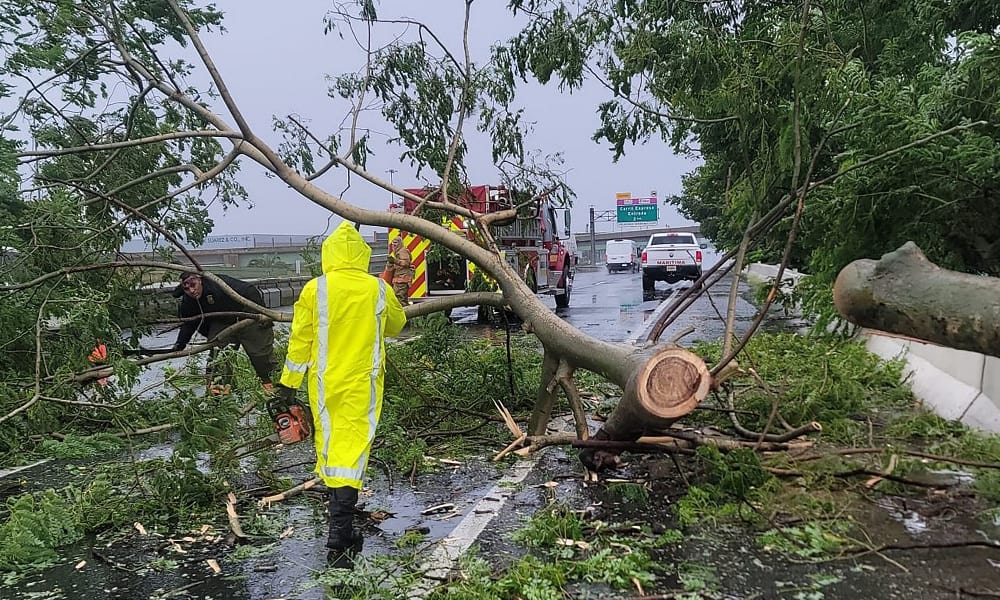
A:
637	210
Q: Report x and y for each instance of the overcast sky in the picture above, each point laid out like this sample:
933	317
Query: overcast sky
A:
275	59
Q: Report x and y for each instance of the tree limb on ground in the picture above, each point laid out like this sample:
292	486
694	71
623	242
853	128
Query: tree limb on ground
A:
290	492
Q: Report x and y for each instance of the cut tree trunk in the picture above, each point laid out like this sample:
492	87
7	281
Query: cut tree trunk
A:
906	294
668	383
660	385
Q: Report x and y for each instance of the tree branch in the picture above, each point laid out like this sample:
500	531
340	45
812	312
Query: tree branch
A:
443	303
107	371
153	139
213	71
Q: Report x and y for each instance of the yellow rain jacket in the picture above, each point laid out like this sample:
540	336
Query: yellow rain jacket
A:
339	327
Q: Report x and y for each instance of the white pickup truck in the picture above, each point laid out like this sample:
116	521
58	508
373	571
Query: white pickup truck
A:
670	257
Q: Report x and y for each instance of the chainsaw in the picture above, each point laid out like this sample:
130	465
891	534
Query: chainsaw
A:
292	424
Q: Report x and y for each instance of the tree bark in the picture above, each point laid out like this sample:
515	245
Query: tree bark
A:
546	399
906	294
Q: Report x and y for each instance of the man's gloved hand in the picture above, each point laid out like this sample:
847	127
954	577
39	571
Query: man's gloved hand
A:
284	394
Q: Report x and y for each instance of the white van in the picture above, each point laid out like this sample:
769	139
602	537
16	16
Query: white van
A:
621	255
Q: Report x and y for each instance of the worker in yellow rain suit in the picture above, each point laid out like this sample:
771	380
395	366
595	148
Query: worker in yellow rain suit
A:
338	336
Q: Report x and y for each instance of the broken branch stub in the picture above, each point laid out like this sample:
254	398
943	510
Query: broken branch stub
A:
905	293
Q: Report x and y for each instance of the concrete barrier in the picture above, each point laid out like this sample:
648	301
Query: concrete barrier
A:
271	295
288	295
758	274
955	384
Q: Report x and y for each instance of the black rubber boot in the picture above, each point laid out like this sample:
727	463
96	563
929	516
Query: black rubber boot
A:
344	542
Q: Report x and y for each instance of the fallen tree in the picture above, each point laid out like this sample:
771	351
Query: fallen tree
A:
661	382
906	294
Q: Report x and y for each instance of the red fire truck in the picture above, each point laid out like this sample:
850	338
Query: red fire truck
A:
530	243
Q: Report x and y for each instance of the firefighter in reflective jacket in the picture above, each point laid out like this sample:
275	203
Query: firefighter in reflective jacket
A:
338	336
401	264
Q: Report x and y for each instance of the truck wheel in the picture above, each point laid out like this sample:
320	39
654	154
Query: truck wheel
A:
562	300
609	270
648	287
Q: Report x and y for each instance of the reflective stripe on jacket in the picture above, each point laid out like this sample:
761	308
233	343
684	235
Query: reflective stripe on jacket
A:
339	326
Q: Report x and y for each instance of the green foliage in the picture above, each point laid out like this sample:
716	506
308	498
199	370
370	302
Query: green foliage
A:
38	523
812	540
564	559
444	378
167	564
248	551
546	527
818	378
380	577
420	88
266	525
697	578
410	539
528	578
728	84
181	489
73	208
951	438
988	485
634	494
73	446
206	421
736	484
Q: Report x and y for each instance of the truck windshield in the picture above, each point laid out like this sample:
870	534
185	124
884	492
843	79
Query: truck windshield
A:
672	239
550	222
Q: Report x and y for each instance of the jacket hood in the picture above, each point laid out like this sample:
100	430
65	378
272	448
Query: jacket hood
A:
345	249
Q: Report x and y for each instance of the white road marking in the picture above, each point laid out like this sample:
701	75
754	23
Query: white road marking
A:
639	338
446	553
13	470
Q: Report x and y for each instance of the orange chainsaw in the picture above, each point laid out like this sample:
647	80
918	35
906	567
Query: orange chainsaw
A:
292	421
292	424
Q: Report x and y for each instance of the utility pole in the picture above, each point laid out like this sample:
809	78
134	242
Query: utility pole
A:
593	239
605	215
392	200
391	172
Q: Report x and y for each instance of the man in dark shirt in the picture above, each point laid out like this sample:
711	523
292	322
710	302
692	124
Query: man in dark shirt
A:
201	297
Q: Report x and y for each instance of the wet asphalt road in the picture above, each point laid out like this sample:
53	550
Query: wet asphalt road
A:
610	307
